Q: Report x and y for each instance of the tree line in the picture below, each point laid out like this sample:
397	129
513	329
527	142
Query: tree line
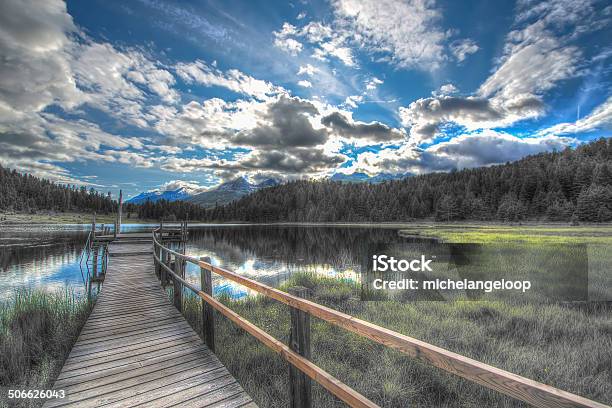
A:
570	185
573	184
26	193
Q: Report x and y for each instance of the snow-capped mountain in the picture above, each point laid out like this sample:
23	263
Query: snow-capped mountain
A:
229	191
153	196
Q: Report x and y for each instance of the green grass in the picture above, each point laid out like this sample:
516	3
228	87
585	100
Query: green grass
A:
37	331
566	345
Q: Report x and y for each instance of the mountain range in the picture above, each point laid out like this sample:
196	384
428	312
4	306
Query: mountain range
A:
240	186
228	192
222	194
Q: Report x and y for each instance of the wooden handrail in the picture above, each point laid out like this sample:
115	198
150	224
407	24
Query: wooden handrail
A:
513	385
332	384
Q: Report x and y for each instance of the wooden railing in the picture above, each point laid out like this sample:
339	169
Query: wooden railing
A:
298	352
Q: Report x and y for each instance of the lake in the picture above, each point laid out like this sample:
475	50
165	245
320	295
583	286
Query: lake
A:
49	256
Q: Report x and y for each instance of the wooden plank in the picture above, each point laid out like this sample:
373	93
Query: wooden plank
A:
120	354
149	396
126	387
135	347
200	389
161	361
110	346
170	366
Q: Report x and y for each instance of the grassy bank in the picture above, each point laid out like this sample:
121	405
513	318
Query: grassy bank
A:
564	346
37	330
66	218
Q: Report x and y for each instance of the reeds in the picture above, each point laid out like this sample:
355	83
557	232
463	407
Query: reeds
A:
37	331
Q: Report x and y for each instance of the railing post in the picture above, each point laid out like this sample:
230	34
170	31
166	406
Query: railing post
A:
208	318
167	262
178	287
158	267
95	262
93	226
300	385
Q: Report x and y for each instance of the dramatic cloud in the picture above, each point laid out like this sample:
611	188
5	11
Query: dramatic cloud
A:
47	61
35	67
375	132
285	123
424	116
407	32
478	149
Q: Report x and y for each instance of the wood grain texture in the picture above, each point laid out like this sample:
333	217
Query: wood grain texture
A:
136	348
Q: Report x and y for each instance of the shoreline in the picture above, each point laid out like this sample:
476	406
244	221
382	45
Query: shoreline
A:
86	218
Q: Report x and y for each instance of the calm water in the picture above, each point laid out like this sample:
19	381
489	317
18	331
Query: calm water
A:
48	256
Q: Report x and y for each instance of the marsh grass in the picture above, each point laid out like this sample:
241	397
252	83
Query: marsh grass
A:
37	331
566	346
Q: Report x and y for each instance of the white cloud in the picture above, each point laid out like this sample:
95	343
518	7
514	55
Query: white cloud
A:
307	70
191	187
47	62
373	83
536	58
335	48
301	15
289	45
113	80
353	100
600	118
406	31
326	41
305	84
462	48
283	40
233	79
316	32
446	89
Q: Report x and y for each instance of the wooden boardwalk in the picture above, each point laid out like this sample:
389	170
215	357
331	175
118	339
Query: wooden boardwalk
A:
136	349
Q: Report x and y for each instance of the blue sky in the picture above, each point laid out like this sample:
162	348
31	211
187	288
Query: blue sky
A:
152	94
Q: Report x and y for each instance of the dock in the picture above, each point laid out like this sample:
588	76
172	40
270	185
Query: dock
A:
136	349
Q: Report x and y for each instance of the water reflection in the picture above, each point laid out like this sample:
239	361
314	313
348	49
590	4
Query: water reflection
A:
271	254
48	256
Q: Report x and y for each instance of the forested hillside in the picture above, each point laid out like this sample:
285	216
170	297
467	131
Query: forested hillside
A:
559	186
168	210
26	193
